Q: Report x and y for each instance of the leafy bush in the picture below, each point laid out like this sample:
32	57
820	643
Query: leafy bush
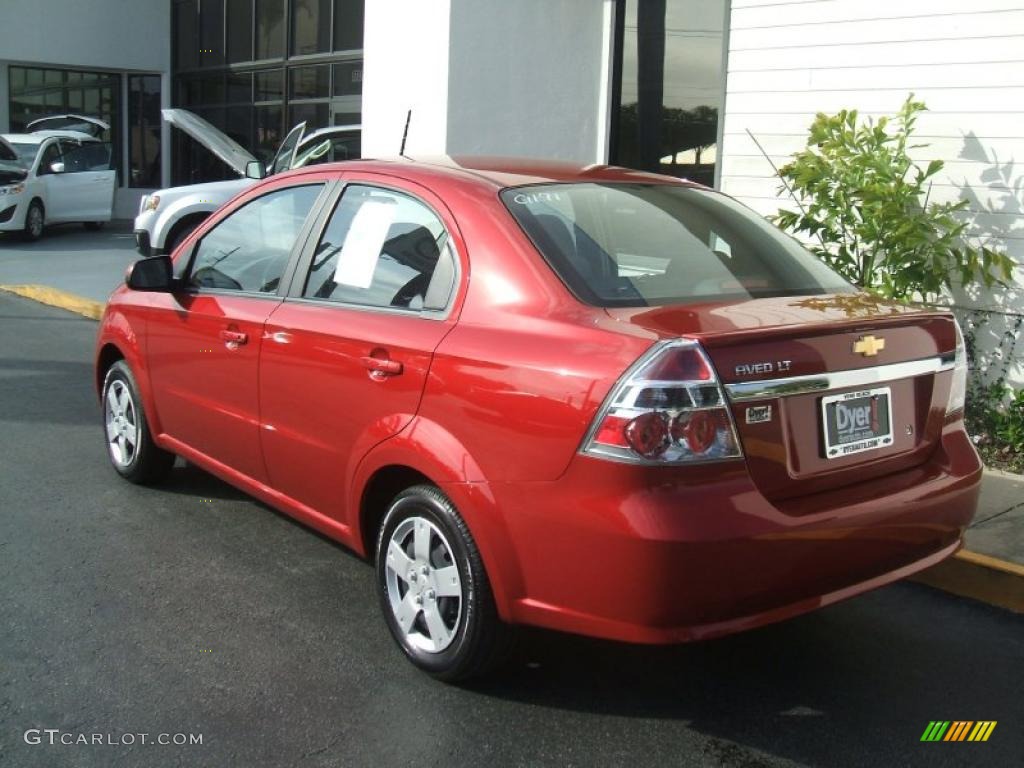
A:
865	209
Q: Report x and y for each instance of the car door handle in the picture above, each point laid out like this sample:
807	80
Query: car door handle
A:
234	337
381	366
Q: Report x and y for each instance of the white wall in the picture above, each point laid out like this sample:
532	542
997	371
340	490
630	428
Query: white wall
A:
529	78
788	60
113	34
405	66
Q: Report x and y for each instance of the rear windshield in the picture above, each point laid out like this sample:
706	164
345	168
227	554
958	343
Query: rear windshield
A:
635	245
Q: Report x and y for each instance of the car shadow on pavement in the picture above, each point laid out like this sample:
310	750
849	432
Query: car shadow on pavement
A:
838	687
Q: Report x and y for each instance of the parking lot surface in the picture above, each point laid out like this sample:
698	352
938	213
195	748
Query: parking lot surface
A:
67	257
189	608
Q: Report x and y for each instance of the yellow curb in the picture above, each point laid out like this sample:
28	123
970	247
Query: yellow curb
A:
980	577
54	297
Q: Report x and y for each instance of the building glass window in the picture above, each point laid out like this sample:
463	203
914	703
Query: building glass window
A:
264	83
311	27
239	25
348	25
309	82
186	22
269	29
36	92
211	33
144	131
669	86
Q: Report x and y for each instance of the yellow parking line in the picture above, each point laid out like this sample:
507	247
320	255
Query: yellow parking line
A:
54	297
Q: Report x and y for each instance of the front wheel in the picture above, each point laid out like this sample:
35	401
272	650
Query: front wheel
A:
130	444
35	220
433	588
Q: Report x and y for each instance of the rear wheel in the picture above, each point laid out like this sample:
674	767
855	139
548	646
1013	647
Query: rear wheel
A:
130	445
35	220
433	588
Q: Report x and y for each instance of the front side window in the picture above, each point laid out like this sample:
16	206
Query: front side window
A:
87	156
382	249
249	249
50	156
637	245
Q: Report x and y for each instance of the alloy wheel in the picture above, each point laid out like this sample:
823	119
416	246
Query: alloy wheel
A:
35	221
423	585
122	424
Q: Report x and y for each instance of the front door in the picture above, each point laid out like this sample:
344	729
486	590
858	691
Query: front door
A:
346	356
90	179
203	343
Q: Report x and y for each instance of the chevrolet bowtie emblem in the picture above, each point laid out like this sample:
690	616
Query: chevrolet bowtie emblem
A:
869	346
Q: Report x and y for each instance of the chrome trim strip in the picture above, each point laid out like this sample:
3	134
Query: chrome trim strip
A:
826	382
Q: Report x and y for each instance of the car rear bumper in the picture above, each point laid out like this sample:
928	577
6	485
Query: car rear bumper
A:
661	555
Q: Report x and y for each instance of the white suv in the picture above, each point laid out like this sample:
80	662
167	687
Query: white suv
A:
55	176
168	216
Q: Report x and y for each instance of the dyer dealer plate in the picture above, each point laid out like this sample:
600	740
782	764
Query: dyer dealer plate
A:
856	421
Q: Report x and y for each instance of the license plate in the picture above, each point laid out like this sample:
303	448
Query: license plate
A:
857	421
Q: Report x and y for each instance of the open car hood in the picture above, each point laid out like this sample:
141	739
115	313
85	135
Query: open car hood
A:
215	140
91	126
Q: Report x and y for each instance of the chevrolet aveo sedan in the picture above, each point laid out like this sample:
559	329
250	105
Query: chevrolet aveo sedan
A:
589	399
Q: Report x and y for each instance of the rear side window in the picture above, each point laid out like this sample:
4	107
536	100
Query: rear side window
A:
382	249
248	250
635	245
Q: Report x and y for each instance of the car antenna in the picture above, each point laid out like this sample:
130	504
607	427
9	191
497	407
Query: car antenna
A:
405	133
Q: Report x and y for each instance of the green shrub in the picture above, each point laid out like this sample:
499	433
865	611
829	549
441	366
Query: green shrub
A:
864	210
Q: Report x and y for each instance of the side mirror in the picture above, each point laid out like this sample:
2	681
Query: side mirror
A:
57	167
154	273
254	170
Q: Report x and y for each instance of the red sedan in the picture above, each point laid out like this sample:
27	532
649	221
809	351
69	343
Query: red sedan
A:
590	399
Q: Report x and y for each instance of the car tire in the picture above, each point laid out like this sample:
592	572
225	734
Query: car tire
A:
437	599
93	226
179	233
130	446
35	221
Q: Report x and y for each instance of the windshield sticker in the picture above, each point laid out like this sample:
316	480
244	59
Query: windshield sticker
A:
363	244
527	198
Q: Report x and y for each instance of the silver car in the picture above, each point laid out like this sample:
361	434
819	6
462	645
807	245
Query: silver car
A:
168	216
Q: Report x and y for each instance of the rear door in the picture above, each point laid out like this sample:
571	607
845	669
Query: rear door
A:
347	353
203	343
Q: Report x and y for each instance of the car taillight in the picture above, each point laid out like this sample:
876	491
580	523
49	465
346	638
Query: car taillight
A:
958	389
668	408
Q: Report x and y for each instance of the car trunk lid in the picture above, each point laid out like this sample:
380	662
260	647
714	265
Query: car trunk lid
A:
789	364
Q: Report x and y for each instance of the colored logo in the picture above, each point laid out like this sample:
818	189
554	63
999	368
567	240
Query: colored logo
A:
869	346
958	730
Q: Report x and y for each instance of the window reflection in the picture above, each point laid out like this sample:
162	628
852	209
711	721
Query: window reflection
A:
671	82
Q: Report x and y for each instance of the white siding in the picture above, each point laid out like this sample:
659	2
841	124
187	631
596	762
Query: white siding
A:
789	60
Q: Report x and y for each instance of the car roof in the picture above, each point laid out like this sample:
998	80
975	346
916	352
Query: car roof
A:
499	172
38	137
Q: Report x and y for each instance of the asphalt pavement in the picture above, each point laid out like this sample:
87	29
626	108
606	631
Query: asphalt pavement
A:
190	608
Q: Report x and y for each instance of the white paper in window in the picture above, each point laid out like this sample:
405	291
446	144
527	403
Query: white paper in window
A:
363	243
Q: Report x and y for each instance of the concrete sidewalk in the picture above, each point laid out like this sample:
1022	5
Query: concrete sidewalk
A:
998	528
